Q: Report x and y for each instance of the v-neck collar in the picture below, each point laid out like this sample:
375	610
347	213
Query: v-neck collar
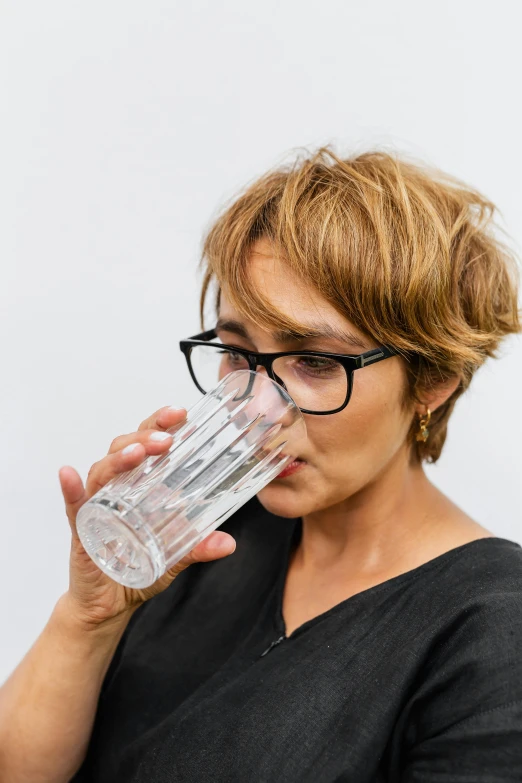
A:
293	538
291	543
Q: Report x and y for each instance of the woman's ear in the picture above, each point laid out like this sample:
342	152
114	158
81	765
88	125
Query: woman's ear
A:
437	395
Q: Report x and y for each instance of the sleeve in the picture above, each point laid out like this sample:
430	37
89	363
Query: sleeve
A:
85	772
484	748
464	722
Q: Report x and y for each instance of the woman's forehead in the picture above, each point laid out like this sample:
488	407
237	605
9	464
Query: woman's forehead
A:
316	319
292	298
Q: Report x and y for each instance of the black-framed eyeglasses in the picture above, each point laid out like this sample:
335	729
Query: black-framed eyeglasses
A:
320	383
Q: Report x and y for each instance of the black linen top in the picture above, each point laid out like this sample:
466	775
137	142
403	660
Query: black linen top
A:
417	680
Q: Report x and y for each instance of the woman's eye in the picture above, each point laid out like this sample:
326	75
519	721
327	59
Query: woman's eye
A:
318	362
314	361
318	365
233	357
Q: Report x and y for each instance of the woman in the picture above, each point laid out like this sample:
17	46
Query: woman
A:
365	628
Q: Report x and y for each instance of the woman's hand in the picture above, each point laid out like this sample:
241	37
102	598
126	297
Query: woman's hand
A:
93	598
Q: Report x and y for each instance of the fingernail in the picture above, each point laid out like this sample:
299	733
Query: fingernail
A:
175	410
159	436
130	448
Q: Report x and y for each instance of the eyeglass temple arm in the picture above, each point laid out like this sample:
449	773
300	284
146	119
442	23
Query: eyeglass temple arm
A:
208	335
376	355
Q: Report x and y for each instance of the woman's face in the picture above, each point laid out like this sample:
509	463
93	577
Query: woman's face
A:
345	451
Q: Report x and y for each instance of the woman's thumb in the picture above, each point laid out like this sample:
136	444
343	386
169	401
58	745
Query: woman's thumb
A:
74	494
217	544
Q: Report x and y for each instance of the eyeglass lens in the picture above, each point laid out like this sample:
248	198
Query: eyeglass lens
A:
315	383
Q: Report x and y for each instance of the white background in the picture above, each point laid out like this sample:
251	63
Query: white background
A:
124	126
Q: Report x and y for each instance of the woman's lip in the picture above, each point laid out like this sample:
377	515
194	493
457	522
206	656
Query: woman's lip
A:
292	467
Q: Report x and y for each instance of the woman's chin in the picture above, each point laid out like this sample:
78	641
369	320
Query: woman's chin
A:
282	501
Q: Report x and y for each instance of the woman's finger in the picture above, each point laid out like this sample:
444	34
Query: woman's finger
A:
119	462
125	453
155	441
163	419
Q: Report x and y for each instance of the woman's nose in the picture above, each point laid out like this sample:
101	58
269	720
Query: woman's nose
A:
272	401
268	405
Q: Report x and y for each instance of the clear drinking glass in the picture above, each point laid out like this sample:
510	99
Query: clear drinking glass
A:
235	440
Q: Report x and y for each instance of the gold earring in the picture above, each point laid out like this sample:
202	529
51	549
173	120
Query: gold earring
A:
424	432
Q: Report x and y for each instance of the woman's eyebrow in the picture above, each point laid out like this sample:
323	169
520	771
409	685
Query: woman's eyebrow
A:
229	325
308	332
322	330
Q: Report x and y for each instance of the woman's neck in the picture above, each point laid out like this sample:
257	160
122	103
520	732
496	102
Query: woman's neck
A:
395	523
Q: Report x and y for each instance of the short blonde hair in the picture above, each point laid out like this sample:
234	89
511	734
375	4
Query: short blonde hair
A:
408	254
